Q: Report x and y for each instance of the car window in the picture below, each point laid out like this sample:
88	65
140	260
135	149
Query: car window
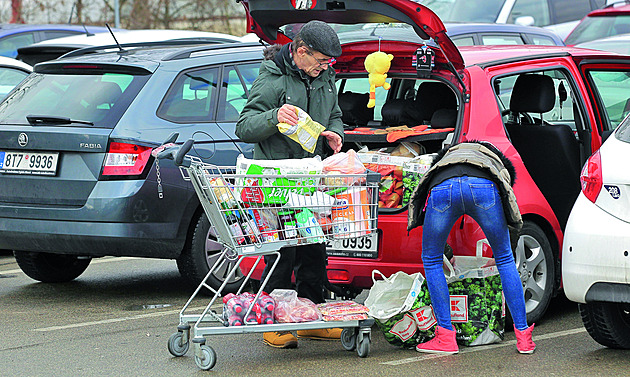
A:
237	81
192	97
9	78
464	41
623	131
465	10
51	34
362	85
97	98
497	39
593	28
564	111
612	89
541	40
568	10
537	9
10	44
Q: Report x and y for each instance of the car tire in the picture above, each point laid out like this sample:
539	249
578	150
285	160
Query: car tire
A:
536	267
51	268
200	253
608	323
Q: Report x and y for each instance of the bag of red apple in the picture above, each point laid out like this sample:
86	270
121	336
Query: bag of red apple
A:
291	308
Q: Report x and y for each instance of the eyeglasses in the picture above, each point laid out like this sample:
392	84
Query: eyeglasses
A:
322	62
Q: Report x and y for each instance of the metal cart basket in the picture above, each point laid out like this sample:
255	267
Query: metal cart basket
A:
257	214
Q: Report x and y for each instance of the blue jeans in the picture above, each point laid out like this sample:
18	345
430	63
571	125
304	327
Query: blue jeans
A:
478	198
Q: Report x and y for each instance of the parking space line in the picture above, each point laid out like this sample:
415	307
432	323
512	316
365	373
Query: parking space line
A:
486	347
94	261
115	320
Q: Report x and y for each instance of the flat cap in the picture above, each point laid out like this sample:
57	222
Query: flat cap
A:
321	37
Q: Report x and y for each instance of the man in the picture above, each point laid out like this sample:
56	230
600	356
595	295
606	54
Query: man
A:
296	75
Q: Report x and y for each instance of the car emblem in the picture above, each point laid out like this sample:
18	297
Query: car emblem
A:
22	139
613	191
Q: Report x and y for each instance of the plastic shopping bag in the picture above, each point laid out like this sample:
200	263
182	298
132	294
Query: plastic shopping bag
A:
291	308
477	302
398	306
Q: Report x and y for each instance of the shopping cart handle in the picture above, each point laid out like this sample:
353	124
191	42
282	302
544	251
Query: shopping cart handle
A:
179	158
168	153
171	138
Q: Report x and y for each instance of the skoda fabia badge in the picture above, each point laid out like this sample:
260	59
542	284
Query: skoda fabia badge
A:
22	139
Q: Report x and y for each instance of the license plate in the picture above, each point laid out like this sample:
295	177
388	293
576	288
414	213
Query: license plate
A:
28	162
360	247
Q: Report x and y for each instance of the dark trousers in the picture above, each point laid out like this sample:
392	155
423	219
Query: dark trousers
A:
309	263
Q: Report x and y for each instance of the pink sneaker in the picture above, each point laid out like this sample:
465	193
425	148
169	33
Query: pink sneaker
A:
443	342
524	342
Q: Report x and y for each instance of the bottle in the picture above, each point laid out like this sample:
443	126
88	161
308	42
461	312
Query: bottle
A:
235	228
287	223
235	305
235	320
250	229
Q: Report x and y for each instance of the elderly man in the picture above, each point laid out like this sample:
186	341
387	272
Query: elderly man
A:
298	74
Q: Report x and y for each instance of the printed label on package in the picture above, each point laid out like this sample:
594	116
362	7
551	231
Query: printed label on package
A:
459	308
424	317
405	328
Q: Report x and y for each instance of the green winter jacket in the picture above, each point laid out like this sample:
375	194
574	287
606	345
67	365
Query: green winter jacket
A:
271	89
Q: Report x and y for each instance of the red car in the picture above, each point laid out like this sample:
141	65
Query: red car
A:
613	19
546	108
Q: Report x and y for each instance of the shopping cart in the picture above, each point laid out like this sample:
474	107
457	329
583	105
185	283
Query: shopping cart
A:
257	214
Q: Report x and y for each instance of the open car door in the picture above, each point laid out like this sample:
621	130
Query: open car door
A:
267	18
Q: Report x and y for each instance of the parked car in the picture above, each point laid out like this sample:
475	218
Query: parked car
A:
560	16
12	72
14	36
617	43
595	260
545	107
462	34
613	19
77	176
52	49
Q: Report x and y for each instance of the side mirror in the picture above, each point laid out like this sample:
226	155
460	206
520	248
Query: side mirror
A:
525	21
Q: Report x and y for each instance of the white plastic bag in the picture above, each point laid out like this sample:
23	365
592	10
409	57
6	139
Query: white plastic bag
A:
393	295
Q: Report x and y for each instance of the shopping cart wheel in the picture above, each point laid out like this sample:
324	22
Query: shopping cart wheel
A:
363	348
208	359
349	339
176	345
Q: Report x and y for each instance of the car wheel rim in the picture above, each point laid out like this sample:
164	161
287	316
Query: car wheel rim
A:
213	251
532	268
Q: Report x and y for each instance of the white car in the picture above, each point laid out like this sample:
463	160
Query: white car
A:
54	48
596	247
12	72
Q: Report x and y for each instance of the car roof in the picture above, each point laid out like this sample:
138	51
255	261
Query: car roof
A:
149	58
6	29
613	9
132	36
5	61
404	32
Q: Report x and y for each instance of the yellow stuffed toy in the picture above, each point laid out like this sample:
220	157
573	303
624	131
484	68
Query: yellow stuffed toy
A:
377	64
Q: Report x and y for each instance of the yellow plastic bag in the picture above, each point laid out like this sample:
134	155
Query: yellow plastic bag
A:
305	132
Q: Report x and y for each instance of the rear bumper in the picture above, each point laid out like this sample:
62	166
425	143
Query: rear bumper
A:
595	250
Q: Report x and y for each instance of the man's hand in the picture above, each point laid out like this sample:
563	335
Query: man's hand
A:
334	140
288	114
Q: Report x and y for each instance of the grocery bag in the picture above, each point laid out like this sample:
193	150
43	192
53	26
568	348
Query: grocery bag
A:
477	302
397	305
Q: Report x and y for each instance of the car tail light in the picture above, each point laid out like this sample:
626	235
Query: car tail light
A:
338	275
591	177
126	159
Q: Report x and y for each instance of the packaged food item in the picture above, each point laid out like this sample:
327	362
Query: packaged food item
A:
305	132
223	192
309	227
291	308
350	214
272	186
412	172
318	202
236	306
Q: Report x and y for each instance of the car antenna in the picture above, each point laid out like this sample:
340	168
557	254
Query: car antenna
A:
87	33
121	50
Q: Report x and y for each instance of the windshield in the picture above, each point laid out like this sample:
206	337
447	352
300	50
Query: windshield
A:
612	88
593	28
99	98
465	10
